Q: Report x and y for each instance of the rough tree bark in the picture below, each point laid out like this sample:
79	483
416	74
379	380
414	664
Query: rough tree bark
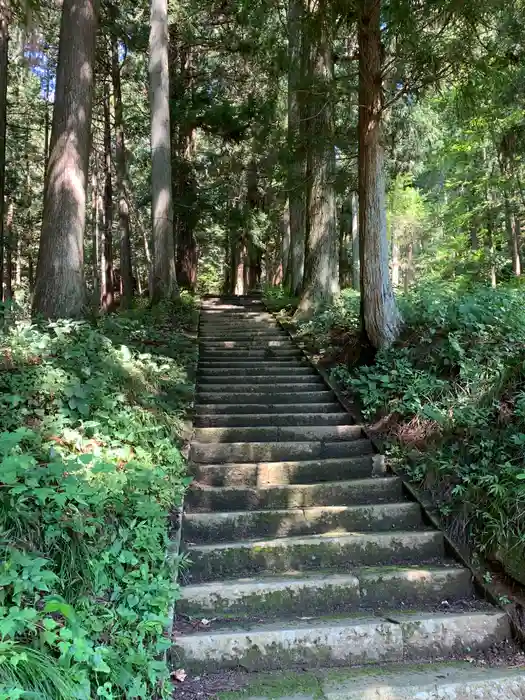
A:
4	71
106	272
95	231
321	280
164	277
381	320
8	269
126	273
59	286
296	177
355	241
182	155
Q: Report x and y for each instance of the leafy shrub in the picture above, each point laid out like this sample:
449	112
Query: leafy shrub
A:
90	420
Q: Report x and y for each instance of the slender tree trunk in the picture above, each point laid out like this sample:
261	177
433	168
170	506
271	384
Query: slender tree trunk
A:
296	149
344	263
512	238
517	238
46	114
95	232
321	282
4	71
285	247
395	260
59	287
164	276
107	275
355	241
380	318
9	230
30	273
126	274
409	267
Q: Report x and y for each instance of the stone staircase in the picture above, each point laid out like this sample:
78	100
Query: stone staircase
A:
302	556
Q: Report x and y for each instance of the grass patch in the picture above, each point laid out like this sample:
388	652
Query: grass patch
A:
91	422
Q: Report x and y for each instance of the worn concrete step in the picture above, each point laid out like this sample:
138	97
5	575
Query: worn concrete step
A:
315	384
251	364
265	419
210	409
220	453
263	354
403	681
209	380
282	473
327	551
252	344
439	682
246	321
294	433
329	642
305	594
240	333
295	371
204	528
265	397
388	489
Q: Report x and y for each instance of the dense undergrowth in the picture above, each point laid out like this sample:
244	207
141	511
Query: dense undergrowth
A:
451	396
91	419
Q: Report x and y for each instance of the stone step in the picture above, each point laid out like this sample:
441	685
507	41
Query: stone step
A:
251	364
254	353
252	344
294	433
387	489
267	398
203	528
210	380
333	552
258	408
307	594
315	384
220	453
265	419
241	333
403	681
329	642
307	472
295	372
439	682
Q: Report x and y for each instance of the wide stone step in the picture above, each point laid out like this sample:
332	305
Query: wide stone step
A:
314	384
265	419
266	397
334	552
211	380
307	594
297	433
210	409
203	528
219	453
249	353
243	334
330	493
293	372
328	642
243	345
254	363
282	473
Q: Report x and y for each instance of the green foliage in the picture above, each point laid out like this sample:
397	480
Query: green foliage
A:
90	421
454	388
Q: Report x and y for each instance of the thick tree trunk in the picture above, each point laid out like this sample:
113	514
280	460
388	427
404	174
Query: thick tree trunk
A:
4	71
296	184
126	274
518	266
344	237
513	238
107	291
59	287
284	225
164	276
321	282
380	318
355	241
